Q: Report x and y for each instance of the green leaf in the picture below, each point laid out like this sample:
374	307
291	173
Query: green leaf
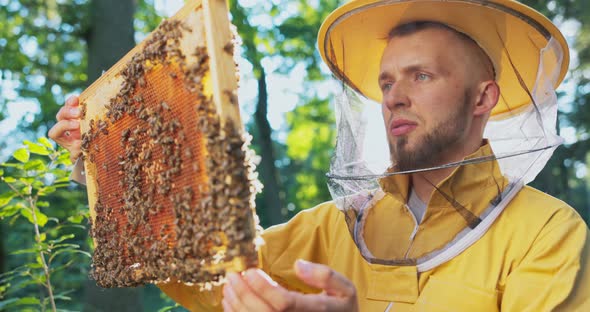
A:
62	295
13	219
6	303
66	246
9	180
76	219
40	261
45	141
64	298
13	302
62	238
60	173
43	204
25	251
36	164
47	190
168	308
26	190
42	237
1	172
37	184
3	289
64	158
28	180
68	252
36	148
9	210
62	180
34	265
28	300
41	217
21	154
5	198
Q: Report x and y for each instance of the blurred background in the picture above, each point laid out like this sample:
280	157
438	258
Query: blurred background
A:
50	49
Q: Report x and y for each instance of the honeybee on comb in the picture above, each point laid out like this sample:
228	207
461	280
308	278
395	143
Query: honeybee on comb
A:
170	177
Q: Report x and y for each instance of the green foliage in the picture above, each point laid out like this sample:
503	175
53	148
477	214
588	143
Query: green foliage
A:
146	17
290	39
37	172
42	55
310	140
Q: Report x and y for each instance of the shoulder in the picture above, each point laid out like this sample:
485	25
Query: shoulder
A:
324	215
536	221
537	209
546	246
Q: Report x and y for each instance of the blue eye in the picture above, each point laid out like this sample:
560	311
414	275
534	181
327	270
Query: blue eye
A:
386	86
422	77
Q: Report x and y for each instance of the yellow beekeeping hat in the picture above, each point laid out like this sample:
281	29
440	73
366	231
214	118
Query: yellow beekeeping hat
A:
352	39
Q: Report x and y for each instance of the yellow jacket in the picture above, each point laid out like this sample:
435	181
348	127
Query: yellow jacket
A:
534	257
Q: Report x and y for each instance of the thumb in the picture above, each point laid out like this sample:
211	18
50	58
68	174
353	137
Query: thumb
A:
323	277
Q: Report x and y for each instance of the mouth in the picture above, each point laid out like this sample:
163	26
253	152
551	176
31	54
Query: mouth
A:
401	127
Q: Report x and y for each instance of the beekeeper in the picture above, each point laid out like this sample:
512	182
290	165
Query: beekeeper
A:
447	223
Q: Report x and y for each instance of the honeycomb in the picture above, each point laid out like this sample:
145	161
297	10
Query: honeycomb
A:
171	179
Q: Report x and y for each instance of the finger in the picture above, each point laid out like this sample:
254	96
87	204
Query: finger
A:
72	101
226	306
231	299
75	151
272	293
70	110
249	297
322	302
65	130
322	277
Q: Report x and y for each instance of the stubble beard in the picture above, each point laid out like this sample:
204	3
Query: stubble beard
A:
429	150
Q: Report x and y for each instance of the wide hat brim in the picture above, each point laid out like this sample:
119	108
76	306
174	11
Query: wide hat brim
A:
353	37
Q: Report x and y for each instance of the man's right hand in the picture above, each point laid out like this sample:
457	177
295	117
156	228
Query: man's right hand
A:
66	132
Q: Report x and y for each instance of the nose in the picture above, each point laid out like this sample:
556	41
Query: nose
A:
396	97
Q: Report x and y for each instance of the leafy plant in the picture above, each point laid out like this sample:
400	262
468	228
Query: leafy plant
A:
37	171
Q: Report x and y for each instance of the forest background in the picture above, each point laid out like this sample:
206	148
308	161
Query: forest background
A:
50	49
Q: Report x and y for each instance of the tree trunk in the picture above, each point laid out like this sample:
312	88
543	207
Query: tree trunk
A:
268	172
111	34
110	37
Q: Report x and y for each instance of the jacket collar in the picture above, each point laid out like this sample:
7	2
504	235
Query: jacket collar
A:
472	186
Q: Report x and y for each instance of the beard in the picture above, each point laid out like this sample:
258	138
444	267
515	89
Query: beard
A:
430	148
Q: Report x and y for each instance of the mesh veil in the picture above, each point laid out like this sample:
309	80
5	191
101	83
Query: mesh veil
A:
522	142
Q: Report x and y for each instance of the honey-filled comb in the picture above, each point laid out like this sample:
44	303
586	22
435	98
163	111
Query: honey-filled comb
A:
170	178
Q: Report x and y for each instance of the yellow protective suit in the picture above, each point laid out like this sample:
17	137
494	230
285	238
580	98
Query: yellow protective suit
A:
535	257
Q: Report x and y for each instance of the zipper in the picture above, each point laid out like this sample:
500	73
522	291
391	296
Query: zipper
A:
413	234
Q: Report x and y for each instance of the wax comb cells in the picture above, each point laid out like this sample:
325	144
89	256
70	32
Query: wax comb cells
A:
170	178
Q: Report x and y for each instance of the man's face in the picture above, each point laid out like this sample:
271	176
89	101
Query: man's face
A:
427	102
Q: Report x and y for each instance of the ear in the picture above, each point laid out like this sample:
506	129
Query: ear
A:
488	93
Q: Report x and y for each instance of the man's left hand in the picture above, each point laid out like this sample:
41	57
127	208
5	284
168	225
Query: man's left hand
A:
256	291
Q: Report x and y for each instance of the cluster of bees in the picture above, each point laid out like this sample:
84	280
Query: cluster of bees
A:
175	198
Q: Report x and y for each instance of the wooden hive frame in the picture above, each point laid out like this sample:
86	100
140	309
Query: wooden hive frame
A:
163	124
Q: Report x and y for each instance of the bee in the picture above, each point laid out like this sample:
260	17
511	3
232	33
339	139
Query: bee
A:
229	48
233	98
102	127
83	110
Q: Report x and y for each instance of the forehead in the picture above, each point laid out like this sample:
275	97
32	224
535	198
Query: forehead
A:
431	46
